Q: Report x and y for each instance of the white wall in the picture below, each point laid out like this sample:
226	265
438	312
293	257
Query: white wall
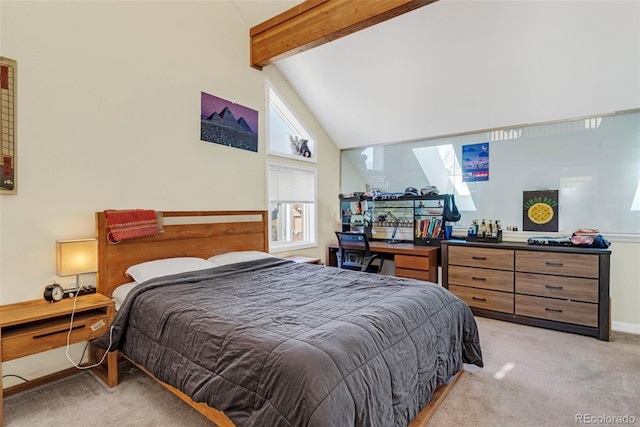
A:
625	286
109	118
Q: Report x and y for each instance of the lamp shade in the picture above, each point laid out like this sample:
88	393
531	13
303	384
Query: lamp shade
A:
75	257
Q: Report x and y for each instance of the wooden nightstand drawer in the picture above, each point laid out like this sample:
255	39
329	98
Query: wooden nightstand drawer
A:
488	300
41	336
496	280
578	265
499	259
568	288
579	313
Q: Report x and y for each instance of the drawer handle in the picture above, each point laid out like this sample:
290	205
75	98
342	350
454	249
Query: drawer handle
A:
554	264
554	287
551	309
479	278
478	299
58	332
481	258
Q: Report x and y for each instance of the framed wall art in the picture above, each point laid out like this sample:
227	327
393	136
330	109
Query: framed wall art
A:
540	210
475	162
227	123
8	73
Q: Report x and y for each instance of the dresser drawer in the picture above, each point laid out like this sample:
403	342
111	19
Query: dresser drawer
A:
481	298
578	265
569	288
411	261
412	274
579	313
500	259
37	337
496	280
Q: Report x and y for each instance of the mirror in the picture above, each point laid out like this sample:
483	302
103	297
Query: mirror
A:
594	163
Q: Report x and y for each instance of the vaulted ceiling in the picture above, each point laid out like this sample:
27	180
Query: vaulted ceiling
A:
461	66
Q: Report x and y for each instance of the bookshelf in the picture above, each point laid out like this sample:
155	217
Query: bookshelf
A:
428	222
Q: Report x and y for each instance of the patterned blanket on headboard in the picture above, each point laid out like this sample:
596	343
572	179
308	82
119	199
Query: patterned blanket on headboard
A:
132	223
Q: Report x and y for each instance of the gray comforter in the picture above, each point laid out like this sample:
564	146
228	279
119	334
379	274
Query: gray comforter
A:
277	343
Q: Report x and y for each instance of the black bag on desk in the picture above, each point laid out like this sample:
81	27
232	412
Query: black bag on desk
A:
451	213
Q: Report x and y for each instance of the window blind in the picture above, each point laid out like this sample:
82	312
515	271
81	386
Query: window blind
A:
289	184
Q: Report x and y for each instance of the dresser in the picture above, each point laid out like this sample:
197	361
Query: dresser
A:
555	287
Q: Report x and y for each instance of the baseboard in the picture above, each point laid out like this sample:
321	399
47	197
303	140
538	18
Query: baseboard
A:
39	381
628	328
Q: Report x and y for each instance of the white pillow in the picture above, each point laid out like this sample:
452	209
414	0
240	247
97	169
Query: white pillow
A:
166	267
121	292
240	256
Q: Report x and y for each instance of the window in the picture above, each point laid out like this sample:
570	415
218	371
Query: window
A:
292	204
287	136
292	189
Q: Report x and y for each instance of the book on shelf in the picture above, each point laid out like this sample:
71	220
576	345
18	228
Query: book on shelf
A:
431	227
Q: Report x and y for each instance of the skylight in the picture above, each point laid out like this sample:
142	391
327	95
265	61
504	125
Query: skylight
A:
442	168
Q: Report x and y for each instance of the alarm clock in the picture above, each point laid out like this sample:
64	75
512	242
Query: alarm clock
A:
53	292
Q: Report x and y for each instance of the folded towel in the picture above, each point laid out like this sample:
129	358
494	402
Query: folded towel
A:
131	224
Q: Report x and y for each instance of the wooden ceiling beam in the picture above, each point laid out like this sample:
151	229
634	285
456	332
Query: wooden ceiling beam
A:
315	22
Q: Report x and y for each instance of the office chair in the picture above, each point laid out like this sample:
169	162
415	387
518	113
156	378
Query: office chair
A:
354	253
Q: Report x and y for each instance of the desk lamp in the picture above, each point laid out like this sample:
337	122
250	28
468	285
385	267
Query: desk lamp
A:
76	257
396	221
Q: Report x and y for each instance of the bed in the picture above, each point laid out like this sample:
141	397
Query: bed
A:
269	341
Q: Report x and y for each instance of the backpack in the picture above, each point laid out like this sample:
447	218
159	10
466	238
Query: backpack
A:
451	213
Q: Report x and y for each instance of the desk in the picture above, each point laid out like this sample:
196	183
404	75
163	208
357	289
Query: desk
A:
415	262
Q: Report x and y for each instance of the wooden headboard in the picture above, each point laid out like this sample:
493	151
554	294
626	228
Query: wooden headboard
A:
186	233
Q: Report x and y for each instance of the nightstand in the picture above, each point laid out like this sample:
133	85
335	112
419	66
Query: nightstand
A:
304	259
32	327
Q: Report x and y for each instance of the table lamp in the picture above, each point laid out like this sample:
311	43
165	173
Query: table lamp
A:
76	257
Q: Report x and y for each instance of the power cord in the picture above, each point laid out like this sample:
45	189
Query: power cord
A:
104	356
16	376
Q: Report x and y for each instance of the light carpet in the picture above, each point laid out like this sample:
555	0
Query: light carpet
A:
532	377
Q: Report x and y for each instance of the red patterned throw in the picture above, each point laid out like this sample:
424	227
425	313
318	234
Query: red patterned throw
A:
131	224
